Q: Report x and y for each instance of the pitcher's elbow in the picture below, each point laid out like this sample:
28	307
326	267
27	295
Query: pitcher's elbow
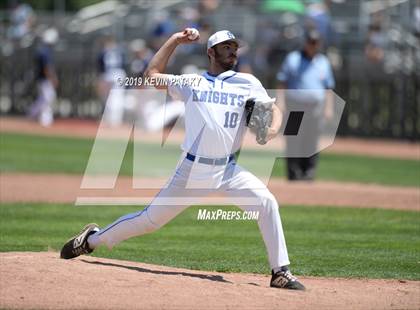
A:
150	72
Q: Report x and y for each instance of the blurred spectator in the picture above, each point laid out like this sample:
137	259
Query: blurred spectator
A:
47	81
190	17
111	63
267	40
141	57
164	26
150	113
318	16
209	9
155	116
208	6
206	30
22	19
306	74
376	40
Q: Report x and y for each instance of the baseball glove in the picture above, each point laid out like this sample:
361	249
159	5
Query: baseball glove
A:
259	117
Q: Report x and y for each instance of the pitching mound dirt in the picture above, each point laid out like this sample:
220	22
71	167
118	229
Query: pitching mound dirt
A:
43	281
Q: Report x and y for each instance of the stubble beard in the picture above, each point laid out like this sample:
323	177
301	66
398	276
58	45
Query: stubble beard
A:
224	64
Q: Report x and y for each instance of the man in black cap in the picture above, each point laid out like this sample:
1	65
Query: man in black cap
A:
306	75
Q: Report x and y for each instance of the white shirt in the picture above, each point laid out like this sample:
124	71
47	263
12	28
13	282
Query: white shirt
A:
214	110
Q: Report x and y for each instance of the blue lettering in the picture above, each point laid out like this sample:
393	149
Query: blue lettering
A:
240	101
223	98
216	97
213	96
195	94
203	96
232	99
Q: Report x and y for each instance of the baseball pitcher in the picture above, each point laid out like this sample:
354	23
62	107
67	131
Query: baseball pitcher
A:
217	107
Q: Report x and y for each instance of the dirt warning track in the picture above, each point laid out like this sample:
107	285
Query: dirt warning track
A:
89	129
61	188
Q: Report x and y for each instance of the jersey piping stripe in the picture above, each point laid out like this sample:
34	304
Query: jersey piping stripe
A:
123	220
228	77
211	81
209	76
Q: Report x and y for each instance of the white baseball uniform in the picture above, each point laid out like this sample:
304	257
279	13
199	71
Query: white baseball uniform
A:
214	127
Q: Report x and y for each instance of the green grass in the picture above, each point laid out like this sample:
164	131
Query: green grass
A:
322	241
27	153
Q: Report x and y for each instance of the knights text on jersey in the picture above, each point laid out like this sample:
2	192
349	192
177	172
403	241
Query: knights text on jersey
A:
214	110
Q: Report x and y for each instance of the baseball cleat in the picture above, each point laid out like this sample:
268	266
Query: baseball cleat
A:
78	244
285	279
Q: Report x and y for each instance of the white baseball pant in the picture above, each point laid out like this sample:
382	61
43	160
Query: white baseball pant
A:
191	180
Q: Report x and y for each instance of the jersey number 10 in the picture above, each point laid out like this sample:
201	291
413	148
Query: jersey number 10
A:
231	119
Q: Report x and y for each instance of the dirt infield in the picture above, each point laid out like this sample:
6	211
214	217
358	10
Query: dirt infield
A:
43	281
66	189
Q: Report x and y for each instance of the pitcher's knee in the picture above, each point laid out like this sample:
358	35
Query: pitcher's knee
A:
151	226
138	224
269	202
159	217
